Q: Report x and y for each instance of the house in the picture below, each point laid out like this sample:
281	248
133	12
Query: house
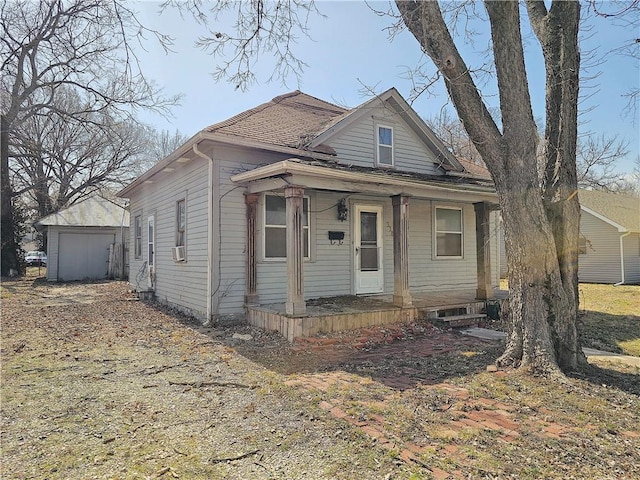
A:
609	238
85	241
299	199
609	243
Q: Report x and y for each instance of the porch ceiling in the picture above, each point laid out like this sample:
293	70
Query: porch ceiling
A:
344	179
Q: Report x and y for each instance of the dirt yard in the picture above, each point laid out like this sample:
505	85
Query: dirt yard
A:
96	384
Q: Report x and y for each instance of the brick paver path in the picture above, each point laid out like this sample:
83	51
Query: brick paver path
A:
465	412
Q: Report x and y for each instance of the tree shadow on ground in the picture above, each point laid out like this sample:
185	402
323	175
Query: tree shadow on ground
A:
401	364
612	378
604	331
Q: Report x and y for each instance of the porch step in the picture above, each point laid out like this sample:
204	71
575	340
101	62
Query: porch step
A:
455	321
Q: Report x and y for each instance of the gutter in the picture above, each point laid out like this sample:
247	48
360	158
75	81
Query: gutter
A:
211	212
621	282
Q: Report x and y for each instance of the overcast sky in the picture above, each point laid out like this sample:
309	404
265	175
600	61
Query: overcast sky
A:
350	54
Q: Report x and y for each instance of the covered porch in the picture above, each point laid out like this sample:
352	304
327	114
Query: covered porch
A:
367	303
350	312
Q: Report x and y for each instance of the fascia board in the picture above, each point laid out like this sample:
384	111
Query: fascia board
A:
161	165
220	139
294	168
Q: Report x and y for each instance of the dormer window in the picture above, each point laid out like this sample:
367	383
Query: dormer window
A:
385	145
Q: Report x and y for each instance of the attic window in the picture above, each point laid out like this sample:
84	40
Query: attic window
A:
384	139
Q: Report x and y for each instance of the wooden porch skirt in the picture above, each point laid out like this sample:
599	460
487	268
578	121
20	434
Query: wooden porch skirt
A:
291	327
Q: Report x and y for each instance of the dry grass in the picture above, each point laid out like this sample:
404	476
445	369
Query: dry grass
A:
610	318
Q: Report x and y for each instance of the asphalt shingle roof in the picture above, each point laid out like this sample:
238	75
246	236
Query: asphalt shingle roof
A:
288	120
621	209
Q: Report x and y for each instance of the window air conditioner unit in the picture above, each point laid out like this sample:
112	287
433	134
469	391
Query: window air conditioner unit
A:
178	254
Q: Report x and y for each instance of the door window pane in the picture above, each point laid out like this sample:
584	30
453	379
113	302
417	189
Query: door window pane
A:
368	259
369	227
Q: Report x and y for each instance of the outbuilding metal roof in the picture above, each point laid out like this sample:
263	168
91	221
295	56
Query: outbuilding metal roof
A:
93	212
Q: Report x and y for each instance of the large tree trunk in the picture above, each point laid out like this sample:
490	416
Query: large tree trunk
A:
540	220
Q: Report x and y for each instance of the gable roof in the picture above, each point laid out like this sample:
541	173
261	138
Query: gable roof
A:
621	211
395	101
297	124
92	212
288	120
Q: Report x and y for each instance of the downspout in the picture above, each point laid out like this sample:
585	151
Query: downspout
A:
210	242
621	282
124	212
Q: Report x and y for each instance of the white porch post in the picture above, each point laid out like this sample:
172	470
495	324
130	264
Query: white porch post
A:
295	252
401	292
483	251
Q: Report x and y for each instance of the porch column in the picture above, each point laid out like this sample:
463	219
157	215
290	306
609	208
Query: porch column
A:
483	251
251	284
401	293
295	253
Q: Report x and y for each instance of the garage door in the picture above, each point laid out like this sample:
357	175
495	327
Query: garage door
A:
83	255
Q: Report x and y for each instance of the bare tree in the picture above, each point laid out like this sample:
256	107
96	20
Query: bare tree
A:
51	47
452	133
164	143
86	45
57	161
597	157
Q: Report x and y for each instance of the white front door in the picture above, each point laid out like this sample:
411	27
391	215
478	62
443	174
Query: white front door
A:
151	249
369	276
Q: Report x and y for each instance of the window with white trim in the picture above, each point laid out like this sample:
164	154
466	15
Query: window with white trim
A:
181	222
275	227
448	232
137	249
384	141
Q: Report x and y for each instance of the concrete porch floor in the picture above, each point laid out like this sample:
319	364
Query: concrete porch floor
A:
349	312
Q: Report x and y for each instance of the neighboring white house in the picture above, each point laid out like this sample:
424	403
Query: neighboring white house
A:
298	199
81	238
609	238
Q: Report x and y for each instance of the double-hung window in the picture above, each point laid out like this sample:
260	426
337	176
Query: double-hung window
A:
181	222
137	249
448	232
275	227
384	138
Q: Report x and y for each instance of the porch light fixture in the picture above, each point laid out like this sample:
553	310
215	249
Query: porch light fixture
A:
342	209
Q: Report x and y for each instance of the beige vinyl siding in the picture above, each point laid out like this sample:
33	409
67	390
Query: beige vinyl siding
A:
328	272
357	144
429	274
232	257
184	283
601	263
632	258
